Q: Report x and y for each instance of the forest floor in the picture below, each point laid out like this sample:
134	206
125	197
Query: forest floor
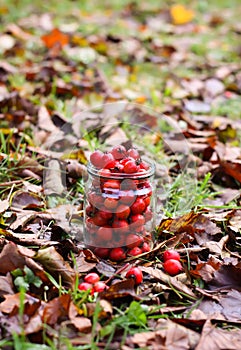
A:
160	76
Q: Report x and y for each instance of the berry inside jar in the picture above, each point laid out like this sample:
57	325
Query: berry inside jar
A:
119	204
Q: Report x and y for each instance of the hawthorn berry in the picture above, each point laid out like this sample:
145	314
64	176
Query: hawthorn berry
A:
146	247
99	287
122	212
118	152
133	153
172	267
105	233
108	160
135	273
135	251
117	254
85	286
92	278
102	253
130	167
133	240
110	203
120	226
138	206
171	254
137	220
96	159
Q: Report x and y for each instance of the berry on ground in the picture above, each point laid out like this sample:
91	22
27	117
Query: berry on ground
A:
92	278
84	286
172	267
135	273
117	254
171	254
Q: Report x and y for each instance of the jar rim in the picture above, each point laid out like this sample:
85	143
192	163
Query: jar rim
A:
92	170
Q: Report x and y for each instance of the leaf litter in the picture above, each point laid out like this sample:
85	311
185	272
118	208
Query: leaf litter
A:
50	77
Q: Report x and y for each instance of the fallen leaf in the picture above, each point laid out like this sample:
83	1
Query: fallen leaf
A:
197	106
55	37
53	178
26	200
11	304
4	205
181	14
231	303
54	263
56	308
10	259
218	339
6	285
170	336
161	276
120	290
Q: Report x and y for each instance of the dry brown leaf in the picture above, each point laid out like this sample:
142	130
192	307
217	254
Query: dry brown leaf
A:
161	276
6	285
4	205
56	308
26	200
54	263
10	259
169	336
219	339
11	304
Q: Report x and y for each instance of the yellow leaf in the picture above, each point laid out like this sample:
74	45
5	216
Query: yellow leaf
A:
180	14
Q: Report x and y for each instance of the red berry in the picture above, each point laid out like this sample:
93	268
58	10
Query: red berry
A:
128	184
135	273
147	214
171	254
133	240
110	203
111	185
108	160
92	278
135	251
147	201
133	153
144	165
120	226
89	210
130	167
138	206
99	220
106	215
96	159
105	233
172	267
137	220
122	212
95	198
117	254
118	152
90	223
146	247
102	253
99	287
84	286
104	172
127	197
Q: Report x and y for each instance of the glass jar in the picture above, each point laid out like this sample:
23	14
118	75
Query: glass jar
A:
119	212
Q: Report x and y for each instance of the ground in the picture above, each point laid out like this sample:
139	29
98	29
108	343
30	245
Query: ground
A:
163	77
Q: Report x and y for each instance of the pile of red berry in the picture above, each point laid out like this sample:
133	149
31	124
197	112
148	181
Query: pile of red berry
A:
172	264
92	282
118	211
